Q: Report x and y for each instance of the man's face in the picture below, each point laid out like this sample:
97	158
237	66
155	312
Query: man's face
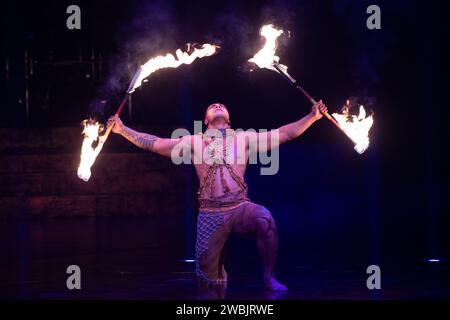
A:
216	111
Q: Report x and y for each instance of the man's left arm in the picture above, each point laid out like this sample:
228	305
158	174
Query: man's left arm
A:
268	140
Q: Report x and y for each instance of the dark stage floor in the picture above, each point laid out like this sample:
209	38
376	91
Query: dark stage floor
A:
141	258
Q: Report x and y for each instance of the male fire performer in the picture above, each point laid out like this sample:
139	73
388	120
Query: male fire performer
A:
223	201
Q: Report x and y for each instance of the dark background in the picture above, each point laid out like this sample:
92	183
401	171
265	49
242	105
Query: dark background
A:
388	206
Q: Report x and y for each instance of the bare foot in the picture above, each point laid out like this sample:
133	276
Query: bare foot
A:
272	284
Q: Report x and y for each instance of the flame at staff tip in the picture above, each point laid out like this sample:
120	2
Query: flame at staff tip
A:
265	57
169	61
89	152
356	127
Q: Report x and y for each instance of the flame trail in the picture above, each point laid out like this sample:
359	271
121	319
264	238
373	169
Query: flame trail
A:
169	61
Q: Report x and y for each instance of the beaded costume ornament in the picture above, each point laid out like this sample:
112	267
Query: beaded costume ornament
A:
219	159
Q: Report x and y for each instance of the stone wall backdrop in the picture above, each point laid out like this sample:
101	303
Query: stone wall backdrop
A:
38	177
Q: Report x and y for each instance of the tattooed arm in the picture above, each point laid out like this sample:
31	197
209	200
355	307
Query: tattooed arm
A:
142	140
147	141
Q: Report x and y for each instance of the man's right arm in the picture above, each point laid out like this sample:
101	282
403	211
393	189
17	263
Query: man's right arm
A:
146	141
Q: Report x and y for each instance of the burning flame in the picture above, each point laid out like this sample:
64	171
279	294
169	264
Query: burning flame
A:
169	61
93	142
356	127
92	145
265	57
